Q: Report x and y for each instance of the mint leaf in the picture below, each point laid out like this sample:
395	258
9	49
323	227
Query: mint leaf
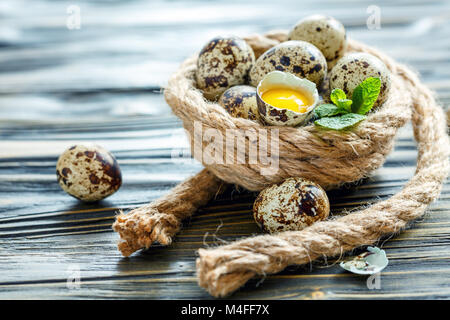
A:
326	110
345	104
336	95
342	122
339	98
365	95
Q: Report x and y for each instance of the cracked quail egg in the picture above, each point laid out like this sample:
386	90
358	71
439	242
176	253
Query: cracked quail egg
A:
88	172
354	68
240	102
300	58
290	206
222	63
326	33
286	100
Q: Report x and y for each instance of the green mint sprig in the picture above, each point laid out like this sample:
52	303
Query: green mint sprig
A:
344	113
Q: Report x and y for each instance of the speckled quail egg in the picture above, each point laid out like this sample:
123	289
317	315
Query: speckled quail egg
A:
88	172
290	206
300	58
222	63
354	68
326	33
240	102
286	100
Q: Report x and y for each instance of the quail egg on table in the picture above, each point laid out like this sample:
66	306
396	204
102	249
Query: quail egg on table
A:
222	63
240	102
326	33
88	172
286	100
290	206
354	68
300	58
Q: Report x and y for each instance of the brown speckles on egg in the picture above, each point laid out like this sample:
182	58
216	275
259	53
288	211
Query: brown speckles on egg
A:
89	154
240	102
222	63
88	172
354	68
279	115
65	172
94	179
285	61
326	33
297	57
292	205
217	81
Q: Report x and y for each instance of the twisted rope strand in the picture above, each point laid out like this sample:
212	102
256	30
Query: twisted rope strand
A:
160	220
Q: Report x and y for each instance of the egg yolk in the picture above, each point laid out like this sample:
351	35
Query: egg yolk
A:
285	98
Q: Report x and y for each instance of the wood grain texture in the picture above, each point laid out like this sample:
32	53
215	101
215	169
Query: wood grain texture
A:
102	83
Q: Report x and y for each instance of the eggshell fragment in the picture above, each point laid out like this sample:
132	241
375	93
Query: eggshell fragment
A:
222	63
370	262
290	206
240	102
88	172
300	58
326	33
356	67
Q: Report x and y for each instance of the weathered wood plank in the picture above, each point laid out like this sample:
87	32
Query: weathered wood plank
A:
101	83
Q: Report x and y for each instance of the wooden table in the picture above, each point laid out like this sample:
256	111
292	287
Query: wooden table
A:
101	83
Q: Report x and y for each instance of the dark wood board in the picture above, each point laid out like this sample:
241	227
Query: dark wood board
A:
102	83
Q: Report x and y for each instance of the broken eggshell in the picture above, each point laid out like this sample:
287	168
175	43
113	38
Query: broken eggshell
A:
370	262
285	117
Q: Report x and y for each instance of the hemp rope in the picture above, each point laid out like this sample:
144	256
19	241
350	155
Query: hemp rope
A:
160	220
325	156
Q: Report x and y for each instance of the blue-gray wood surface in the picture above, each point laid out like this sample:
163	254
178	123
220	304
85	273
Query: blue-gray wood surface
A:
101	83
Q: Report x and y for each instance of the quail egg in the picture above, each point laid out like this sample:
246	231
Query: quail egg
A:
88	172
354	68
222	63
286	100
290	206
240	102
326	33
300	58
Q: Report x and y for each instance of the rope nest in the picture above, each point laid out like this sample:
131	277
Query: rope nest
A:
327	157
